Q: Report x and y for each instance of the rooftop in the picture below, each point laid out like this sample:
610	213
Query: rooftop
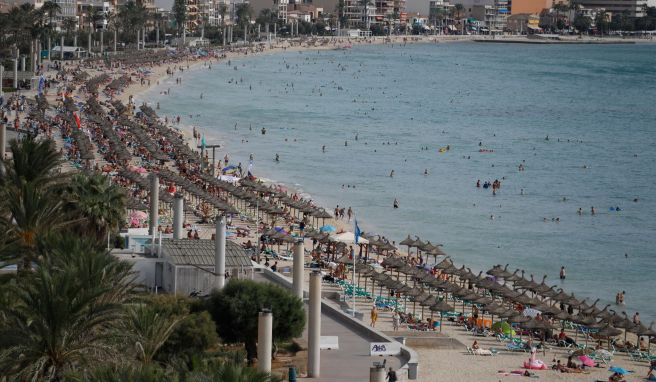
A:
200	253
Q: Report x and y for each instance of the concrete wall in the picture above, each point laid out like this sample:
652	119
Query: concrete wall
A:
530	6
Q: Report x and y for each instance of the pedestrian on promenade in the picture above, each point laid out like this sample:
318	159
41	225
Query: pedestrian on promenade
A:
391	375
374	316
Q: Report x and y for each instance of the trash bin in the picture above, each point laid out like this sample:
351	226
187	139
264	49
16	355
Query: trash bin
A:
292	374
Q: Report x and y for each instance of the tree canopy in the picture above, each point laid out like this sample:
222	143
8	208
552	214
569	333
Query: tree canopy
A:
236	307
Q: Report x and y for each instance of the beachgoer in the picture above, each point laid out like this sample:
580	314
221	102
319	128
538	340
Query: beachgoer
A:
622	297
374	316
277	158
396	203
636	318
395	321
274	267
592	210
392	174
562	273
391	375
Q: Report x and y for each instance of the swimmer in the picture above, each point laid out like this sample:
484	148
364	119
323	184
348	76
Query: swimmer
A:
345	143
426	171
592	210
277	158
201	95
521	192
392	174
396	203
580	211
323	148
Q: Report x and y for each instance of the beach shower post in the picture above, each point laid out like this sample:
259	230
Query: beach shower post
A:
178	216
154	204
264	340
297	283
314	326
219	252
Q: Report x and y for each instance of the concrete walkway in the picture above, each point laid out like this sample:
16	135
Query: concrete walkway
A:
352	361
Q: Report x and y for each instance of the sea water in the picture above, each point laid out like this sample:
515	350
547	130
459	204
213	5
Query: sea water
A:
595	103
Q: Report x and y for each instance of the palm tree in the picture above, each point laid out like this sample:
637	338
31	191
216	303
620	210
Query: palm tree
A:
69	24
223	10
459	8
30	202
365	4
64	315
97	205
148	330
243	13
132	17
51	9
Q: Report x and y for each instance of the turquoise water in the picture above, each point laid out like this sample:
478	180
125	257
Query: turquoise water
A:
595	103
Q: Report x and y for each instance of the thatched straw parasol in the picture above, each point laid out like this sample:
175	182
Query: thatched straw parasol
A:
441	307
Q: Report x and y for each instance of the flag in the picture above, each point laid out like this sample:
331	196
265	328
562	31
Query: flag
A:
356	231
77	120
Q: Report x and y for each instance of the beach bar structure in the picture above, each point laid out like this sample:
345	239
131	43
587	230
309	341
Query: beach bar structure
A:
70	52
189	265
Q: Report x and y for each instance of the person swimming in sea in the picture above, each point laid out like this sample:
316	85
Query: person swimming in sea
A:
263	131
277	158
425	171
392	174
396	203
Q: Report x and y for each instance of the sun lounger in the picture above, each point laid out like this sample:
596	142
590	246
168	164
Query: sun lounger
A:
515	348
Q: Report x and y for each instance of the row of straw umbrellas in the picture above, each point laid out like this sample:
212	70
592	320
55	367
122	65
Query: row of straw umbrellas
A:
498	292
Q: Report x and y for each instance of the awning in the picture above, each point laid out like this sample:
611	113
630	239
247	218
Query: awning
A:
534	28
451	27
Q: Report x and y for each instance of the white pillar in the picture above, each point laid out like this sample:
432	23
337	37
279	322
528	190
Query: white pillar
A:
154	204
264	341
314	326
15	73
259	31
297	284
115	38
245	33
219	253
138	39
77	54
49	47
157	35
184	36
61	52
102	42
224	36
22	63
377	374
2	74
3	134
143	37
178	216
